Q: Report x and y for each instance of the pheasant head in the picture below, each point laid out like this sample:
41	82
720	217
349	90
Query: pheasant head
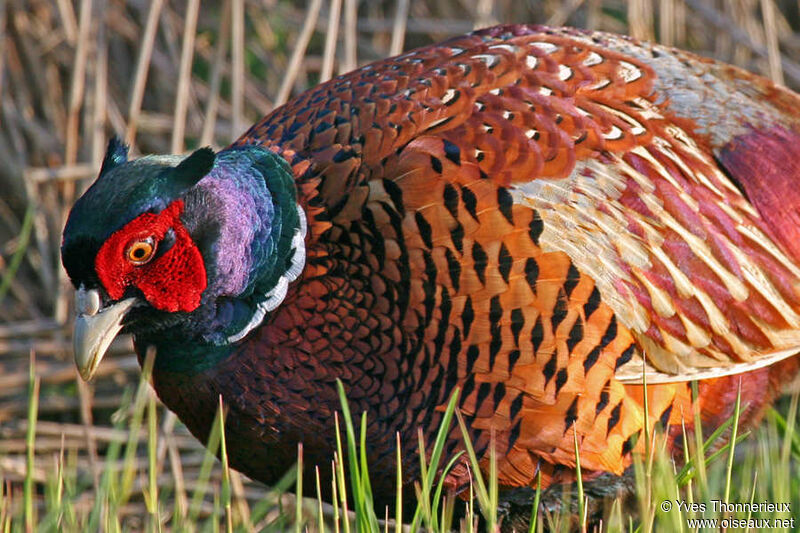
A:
194	250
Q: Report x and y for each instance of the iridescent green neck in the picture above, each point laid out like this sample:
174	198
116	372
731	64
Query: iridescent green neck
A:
245	217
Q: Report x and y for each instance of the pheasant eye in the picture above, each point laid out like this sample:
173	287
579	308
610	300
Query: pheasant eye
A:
141	251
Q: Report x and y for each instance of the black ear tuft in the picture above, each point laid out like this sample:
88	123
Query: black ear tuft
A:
193	168
116	154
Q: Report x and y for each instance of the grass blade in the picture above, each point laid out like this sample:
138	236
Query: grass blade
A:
732	447
226	472
426	508
340	477
366	519
484	500
579	476
320	515
536	499
205	471
19	253
151	497
298	491
398	506
30	443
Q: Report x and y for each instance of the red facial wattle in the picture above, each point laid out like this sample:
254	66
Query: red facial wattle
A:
173	280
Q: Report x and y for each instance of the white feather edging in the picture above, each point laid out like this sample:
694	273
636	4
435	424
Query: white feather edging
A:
276	295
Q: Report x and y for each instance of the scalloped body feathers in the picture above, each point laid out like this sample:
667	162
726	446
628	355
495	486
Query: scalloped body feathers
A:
536	216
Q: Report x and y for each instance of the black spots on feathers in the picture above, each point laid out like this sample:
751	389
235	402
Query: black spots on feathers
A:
536	227
436	164
452	152
592	303
470	202
395	194
480	260
453	268
614	417
504	262
425	231
450	197
505	202
625	356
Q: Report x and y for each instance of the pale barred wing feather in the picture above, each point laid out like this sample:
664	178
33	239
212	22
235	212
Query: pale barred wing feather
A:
678	253
638	372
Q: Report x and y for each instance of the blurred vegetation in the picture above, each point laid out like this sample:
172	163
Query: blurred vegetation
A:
168	76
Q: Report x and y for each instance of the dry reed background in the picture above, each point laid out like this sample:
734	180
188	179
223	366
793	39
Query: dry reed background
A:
168	76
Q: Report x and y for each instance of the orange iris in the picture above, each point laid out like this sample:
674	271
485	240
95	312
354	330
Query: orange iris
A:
141	251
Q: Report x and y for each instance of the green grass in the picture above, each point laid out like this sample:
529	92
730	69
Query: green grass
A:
728	466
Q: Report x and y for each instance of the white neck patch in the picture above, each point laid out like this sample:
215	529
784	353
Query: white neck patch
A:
276	295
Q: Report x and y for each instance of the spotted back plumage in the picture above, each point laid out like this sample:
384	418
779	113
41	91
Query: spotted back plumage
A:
539	217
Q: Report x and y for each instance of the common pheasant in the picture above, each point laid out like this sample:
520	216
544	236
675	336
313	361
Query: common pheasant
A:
537	216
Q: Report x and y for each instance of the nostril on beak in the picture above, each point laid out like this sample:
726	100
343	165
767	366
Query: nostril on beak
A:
87	302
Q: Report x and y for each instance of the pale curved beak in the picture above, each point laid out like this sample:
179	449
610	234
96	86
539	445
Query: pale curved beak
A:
95	328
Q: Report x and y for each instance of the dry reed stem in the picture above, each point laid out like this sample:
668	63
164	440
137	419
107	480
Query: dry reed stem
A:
564	12
771	37
666	22
85	397
28	328
737	11
76	98
78	83
640	19
62	174
593	14
212	104
167	427
331	34
184	75
3	13
181	500
399	28
142	66
350	61
791	69
680	22
40	238
68	20
115	118
299	51
237	78
240	500
100	116
485	14
61	372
